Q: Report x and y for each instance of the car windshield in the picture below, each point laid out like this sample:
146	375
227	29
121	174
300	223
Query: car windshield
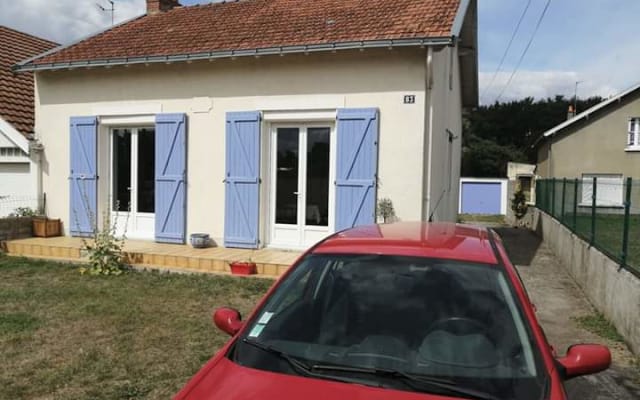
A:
453	321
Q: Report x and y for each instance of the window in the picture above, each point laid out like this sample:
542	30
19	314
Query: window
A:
11	152
524	183
609	189
633	132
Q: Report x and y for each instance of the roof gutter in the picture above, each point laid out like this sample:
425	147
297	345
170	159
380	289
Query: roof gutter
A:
212	55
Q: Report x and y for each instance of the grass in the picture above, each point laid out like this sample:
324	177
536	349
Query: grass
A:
609	230
137	336
471	218
599	325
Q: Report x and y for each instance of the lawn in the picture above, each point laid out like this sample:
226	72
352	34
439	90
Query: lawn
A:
138	336
609	229
475	218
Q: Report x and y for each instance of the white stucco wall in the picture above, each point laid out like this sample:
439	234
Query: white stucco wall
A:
207	90
443	156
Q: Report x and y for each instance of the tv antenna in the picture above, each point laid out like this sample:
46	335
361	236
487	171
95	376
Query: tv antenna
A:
111	10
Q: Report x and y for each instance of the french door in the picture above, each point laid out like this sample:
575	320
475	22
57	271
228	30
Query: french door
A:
133	182
302	193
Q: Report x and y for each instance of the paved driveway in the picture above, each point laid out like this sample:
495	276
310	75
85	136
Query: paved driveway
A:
558	300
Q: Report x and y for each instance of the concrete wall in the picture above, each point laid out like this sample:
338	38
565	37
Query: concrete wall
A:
207	90
596	145
613	291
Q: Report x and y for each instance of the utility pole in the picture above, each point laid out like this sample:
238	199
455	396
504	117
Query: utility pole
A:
111	10
575	98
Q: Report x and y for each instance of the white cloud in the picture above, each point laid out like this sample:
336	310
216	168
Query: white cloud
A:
543	84
64	21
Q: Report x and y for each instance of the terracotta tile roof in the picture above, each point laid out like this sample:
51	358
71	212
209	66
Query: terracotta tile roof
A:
16	90
258	24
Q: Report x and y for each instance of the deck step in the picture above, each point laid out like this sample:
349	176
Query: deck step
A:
269	263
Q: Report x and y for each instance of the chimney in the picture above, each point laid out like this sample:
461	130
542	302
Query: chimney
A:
158	6
571	112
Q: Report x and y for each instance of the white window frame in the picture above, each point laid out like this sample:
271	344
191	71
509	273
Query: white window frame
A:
633	134
610	190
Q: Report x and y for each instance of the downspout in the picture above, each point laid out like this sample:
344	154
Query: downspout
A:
426	208
549	155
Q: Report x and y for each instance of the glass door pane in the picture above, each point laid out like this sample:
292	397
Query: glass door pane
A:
318	149
288	140
121	173
146	170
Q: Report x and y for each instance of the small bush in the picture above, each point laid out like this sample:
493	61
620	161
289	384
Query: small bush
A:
519	204
105	250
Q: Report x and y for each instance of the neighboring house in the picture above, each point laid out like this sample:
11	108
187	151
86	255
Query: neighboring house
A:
601	142
260	122
18	173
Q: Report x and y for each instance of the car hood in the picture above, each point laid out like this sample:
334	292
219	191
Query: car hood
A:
227	380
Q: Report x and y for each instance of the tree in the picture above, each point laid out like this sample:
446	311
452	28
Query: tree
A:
501	132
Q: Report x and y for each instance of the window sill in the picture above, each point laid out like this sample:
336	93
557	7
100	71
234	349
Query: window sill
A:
632	148
601	205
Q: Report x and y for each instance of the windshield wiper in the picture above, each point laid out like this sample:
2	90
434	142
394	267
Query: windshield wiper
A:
421	383
297	365
302	368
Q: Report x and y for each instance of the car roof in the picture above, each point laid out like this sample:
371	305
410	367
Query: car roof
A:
423	239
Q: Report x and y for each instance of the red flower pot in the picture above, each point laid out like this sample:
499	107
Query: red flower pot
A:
243	268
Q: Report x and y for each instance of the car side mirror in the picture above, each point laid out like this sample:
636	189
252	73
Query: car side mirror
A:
585	359
228	320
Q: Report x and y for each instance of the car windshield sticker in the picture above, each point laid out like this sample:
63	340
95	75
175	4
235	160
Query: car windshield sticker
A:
265	318
257	330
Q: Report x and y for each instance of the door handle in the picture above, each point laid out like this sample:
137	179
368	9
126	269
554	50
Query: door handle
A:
296	193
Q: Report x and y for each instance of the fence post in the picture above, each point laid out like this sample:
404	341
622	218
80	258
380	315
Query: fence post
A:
564	189
594	192
575	205
625	229
553	197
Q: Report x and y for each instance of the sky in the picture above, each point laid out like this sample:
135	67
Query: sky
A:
592	42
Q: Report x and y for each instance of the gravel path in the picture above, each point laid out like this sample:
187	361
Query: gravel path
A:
559	301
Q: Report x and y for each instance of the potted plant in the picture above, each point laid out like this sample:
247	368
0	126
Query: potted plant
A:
243	267
385	211
43	226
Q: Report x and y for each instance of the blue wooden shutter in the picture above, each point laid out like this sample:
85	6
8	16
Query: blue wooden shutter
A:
242	180
357	164
171	168
83	175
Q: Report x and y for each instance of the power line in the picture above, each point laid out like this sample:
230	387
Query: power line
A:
506	51
526	49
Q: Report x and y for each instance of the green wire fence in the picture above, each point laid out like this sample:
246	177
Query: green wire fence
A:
604	211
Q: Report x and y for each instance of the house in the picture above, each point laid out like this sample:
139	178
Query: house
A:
602	142
259	122
18	172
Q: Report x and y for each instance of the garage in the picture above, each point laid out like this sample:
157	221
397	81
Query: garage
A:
483	196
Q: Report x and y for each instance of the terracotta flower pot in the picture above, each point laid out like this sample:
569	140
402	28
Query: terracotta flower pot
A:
243	268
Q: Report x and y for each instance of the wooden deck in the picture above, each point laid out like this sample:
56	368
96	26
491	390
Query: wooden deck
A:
140	253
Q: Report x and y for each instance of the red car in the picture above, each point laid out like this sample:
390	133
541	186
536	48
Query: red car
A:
401	311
